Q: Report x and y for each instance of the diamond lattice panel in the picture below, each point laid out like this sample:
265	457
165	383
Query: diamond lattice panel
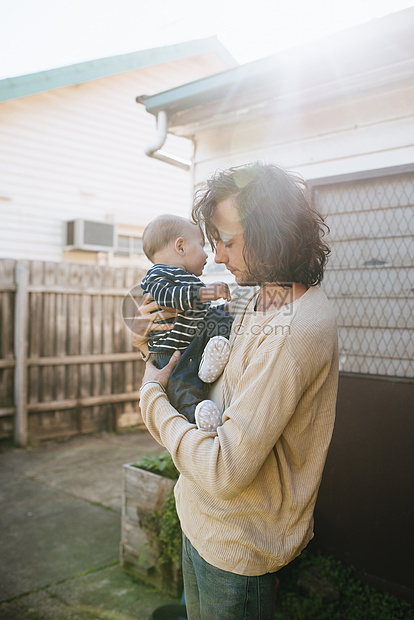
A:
370	274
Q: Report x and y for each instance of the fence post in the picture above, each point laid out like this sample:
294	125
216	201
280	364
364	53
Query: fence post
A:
20	351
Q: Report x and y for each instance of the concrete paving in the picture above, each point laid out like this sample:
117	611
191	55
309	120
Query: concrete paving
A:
60	524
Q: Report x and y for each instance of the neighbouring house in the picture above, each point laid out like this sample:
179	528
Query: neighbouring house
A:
76	191
72	150
340	111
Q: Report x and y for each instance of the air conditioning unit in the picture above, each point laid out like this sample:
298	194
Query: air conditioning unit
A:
90	236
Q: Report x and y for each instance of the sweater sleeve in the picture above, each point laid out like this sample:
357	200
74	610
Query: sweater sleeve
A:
224	464
166	292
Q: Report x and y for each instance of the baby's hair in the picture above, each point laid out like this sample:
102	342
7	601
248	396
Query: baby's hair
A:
162	231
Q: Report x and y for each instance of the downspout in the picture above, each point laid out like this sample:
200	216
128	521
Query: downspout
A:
153	150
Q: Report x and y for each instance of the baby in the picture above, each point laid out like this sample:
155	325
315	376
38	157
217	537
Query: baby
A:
175	246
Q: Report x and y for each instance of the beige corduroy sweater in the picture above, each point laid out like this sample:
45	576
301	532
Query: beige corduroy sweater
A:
246	495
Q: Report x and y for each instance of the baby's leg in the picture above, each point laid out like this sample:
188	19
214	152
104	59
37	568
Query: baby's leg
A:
207	415
214	359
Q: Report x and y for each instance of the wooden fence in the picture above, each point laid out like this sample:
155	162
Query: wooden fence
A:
67	365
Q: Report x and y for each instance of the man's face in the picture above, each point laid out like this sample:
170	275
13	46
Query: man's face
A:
230	241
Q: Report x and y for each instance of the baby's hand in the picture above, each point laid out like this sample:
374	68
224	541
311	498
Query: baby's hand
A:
217	290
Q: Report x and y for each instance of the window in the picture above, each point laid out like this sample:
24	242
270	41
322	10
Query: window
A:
128	246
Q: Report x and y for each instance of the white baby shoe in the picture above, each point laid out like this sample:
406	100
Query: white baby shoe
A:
215	357
207	415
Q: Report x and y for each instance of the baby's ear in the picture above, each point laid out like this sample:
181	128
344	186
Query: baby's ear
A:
179	246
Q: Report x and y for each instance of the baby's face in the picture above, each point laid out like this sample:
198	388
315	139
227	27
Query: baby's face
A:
195	256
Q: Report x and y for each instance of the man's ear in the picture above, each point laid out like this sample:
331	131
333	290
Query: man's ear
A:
179	246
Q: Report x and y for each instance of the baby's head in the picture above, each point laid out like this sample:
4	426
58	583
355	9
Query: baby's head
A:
174	240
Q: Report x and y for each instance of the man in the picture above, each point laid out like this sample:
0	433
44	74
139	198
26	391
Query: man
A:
246	493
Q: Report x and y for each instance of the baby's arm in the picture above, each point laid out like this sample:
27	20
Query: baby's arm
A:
170	294
217	290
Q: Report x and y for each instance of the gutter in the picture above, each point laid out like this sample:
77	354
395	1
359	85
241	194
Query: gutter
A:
153	150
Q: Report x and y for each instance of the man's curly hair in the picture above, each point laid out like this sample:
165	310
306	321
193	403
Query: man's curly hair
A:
283	233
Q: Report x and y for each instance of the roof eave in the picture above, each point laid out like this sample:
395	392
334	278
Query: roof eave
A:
25	85
189	121
382	51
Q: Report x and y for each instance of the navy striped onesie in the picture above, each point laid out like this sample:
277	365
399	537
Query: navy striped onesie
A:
174	287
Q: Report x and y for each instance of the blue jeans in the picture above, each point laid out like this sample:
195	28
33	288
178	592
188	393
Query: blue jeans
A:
215	594
185	390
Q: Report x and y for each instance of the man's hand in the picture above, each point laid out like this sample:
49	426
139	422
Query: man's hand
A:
162	376
145	322
217	290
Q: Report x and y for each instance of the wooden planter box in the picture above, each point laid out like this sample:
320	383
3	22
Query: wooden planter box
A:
144	493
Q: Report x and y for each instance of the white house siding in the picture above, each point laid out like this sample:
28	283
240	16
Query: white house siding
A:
78	152
356	132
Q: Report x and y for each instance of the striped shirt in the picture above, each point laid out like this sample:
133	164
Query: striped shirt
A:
174	287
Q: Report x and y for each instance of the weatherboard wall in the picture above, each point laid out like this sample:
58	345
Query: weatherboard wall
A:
353	132
78	152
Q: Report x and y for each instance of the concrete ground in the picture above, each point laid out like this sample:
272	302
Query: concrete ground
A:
60	523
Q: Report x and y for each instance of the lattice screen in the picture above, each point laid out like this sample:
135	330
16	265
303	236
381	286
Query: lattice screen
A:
370	274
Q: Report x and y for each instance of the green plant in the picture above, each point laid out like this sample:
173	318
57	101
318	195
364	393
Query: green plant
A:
354	601
170	532
162	526
161	464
